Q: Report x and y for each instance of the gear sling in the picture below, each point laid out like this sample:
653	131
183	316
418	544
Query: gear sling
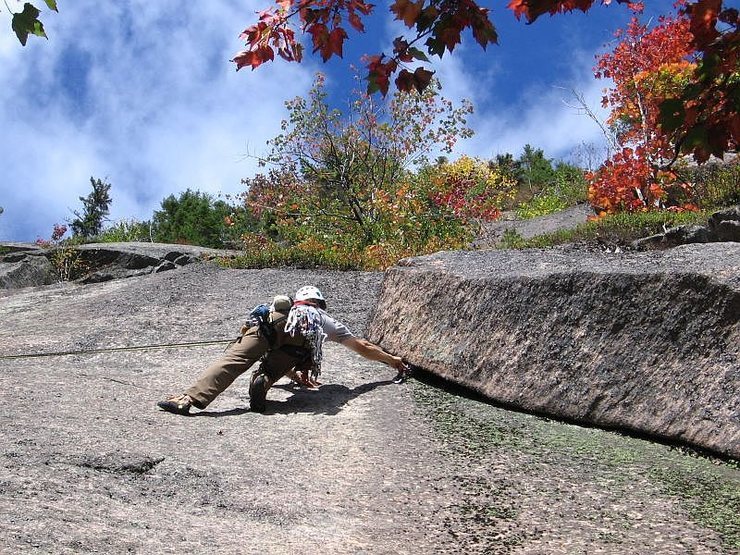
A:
263	339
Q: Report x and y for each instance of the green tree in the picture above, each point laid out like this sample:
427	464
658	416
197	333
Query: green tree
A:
535	171
507	165
193	218
345	160
95	207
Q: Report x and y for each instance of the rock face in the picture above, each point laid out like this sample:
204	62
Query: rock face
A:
27	265
723	225
648	342
107	261
493	233
25	269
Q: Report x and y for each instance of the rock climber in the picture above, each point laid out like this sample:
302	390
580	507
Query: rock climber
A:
287	341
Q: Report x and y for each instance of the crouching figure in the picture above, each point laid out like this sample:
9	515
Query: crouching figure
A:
286	337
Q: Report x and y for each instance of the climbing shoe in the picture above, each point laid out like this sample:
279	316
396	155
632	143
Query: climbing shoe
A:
179	404
258	393
404	373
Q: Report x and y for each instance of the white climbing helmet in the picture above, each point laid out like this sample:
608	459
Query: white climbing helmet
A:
310	293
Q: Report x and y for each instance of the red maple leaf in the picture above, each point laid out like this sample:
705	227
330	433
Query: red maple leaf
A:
407	11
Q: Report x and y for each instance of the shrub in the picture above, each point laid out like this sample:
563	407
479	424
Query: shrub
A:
511	239
613	229
126	231
193	218
405	223
64	257
715	184
541	204
567	188
259	251
469	188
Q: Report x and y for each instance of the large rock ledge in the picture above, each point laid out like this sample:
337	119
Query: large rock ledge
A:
106	261
28	265
647	342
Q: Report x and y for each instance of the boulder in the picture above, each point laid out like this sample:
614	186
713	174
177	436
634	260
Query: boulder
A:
102	263
681	235
725	224
25	269
107	261
644	341
492	233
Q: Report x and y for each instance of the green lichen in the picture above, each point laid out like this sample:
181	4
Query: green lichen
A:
707	489
710	494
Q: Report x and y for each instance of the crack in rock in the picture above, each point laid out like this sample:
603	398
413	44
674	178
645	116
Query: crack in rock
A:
121	463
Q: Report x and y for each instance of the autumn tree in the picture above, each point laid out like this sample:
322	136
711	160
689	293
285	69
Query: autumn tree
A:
647	66
343	184
344	160
470	188
435	27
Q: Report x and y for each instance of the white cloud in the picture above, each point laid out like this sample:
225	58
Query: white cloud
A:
141	93
546	114
553	124
543	114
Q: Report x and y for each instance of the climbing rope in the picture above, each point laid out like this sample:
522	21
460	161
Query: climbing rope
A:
116	349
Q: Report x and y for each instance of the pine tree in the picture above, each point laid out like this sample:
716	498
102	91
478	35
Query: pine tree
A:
95	207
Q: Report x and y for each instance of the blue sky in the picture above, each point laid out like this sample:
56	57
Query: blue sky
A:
142	94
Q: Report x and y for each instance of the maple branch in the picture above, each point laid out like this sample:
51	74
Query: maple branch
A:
612	144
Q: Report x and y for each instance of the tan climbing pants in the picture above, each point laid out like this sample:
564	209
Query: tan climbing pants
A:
238	358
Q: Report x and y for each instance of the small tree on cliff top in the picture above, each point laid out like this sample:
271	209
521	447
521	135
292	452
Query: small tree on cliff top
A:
95	208
647	66
345	160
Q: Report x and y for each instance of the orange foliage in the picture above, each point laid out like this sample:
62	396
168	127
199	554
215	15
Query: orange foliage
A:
647	66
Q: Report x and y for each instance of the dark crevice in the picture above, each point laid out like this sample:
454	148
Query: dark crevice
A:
121	464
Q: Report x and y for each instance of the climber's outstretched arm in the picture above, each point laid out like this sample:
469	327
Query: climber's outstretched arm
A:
371	351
